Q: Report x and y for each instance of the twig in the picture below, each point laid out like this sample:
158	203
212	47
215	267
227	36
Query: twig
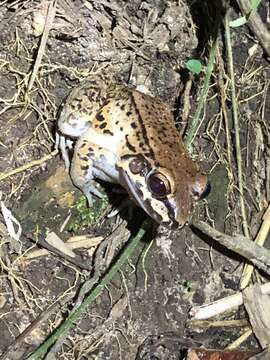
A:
256	254
256	24
33	163
77	260
260	240
220	306
236	125
64	328
48	24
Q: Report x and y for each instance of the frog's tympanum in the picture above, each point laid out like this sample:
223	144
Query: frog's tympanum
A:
124	136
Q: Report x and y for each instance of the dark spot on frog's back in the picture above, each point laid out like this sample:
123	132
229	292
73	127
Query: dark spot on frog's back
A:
107	132
100	117
133	125
103	125
128	113
90	151
83	145
84	167
83	158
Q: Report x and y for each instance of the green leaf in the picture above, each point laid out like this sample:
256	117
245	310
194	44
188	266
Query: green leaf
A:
244	19
255	4
238	22
193	65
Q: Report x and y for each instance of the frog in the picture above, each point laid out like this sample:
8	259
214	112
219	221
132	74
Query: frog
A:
121	135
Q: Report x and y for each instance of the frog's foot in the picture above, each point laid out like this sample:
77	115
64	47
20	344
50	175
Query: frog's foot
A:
89	189
64	145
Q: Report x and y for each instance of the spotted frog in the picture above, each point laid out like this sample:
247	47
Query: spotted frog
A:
124	136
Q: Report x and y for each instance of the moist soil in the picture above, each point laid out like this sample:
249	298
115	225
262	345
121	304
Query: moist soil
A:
143	312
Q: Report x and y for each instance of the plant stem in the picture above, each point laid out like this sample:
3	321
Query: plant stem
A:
236	126
64	328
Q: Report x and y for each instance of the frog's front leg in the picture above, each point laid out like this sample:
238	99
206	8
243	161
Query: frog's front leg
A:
92	161
82	170
64	145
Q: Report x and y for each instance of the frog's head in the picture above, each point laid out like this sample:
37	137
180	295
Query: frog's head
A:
166	198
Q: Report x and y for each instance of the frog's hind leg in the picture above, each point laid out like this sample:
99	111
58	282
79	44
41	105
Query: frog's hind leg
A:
81	171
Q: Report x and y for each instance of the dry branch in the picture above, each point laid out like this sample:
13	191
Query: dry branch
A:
27	166
257	255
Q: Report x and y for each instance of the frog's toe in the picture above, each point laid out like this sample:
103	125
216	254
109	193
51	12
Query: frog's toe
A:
89	191
96	192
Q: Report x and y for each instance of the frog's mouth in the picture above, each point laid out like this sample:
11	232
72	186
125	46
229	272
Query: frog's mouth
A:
136	195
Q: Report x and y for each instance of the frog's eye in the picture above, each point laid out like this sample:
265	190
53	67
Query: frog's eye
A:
137	165
159	185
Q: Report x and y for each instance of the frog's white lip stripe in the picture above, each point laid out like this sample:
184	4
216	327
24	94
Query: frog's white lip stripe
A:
131	187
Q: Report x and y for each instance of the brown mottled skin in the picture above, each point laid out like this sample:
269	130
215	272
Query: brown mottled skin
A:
119	124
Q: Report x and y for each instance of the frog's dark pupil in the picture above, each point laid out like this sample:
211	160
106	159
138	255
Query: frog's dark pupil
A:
157	186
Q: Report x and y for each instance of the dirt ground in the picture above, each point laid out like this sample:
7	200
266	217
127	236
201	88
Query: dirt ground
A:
143	312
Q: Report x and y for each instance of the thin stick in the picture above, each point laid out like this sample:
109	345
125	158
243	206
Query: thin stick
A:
85	243
236	125
64	328
256	254
33	163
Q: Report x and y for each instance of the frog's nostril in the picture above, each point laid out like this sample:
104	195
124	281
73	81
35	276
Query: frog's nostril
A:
206	191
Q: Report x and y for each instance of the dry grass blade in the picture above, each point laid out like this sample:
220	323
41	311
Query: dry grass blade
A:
260	239
236	126
236	344
48	24
207	324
